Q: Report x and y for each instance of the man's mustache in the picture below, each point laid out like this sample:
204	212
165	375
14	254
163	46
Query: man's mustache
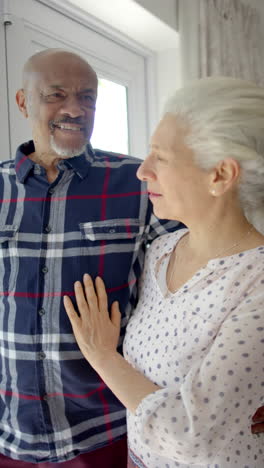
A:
68	120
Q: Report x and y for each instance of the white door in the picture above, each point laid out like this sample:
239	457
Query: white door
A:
33	26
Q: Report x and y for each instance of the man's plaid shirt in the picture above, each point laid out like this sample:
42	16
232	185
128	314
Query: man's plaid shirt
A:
95	218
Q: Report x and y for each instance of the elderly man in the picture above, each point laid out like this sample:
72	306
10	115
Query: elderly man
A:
66	209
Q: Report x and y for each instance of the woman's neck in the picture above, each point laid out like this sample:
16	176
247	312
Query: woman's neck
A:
221	237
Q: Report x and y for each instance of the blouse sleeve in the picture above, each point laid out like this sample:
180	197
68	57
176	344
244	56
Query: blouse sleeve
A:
218	396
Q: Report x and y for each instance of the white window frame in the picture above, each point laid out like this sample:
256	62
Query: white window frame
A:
4	110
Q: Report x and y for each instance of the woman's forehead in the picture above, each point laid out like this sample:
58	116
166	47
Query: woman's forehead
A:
171	129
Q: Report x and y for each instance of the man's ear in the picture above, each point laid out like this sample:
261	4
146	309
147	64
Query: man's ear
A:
21	102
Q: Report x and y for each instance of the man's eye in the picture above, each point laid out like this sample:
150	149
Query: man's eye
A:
56	96
53	97
88	99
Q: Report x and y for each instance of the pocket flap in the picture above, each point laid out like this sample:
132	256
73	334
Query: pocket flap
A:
111	229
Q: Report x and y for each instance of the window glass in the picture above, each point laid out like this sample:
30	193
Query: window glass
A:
111	125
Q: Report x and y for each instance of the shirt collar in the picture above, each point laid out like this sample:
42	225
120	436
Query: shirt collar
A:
80	164
24	165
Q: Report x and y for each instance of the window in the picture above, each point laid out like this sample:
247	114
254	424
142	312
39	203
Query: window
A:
111	123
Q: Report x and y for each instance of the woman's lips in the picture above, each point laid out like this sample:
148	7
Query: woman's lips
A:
154	195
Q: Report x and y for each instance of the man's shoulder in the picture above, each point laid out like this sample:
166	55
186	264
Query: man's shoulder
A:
7	166
115	158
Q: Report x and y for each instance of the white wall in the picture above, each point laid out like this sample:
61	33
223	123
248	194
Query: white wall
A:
189	46
169	73
165	10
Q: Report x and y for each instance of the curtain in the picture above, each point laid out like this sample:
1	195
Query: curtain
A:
230	40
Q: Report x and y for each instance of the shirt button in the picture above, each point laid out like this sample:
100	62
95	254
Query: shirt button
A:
45	269
45	397
41	311
47	229
51	190
41	355
112	231
37	170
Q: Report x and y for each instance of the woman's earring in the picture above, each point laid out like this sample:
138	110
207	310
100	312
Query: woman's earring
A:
213	192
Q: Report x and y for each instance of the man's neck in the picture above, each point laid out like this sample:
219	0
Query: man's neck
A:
49	162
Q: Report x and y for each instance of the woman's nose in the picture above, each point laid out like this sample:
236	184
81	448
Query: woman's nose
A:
144	171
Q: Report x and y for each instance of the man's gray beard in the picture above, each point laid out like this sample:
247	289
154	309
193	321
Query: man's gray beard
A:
66	152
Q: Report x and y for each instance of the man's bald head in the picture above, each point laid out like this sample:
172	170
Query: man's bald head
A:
59	98
49	58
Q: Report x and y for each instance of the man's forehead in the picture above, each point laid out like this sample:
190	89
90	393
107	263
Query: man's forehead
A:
60	69
59	80
84	86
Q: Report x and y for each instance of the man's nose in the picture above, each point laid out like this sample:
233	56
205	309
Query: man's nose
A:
73	107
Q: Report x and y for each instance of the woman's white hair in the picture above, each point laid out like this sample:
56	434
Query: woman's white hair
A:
226	119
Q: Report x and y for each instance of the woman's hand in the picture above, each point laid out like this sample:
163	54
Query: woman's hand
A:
96	333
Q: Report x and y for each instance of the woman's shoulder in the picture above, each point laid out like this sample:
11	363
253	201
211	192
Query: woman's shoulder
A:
165	243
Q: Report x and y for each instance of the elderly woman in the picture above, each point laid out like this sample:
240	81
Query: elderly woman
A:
192	373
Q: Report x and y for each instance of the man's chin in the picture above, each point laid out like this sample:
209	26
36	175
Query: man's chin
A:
67	151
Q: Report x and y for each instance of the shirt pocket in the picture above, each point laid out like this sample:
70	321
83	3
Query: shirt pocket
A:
8	257
112	243
111	230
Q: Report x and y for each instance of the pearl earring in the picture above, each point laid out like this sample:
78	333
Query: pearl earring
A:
213	192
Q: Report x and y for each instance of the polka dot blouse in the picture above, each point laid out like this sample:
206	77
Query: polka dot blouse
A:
204	345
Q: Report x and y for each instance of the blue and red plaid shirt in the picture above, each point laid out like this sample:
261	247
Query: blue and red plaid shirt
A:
96	218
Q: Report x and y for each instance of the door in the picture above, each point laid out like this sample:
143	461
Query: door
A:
34	26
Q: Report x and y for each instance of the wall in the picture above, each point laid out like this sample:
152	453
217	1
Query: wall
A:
169	74
165	10
259	4
188	30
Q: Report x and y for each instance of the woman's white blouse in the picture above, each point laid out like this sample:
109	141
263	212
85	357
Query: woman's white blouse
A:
204	345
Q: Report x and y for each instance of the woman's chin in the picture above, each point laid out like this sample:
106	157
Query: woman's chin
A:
160	213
